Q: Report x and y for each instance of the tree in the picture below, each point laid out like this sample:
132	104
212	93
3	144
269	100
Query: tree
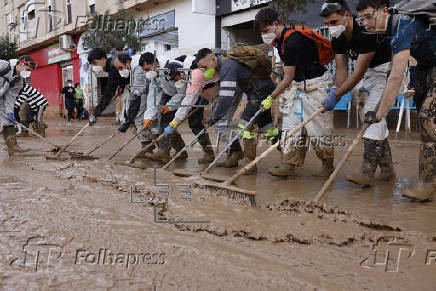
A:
285	8
111	32
8	50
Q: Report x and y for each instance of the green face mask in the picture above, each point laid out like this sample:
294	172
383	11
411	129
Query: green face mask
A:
209	73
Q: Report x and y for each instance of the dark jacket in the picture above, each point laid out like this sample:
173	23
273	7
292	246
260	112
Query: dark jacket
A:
114	81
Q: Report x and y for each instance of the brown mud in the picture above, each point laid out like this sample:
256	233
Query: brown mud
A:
100	225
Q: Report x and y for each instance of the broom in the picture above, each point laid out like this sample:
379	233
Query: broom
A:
227	184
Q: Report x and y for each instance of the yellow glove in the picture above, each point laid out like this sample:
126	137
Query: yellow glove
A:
267	103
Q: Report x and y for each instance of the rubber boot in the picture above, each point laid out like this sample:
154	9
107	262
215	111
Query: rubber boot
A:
161	156
387	171
233	157
421	192
24	133
209	155
283	170
177	143
250	154
370	161
11	141
327	168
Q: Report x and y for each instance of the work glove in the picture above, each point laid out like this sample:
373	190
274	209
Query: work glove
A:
123	127
247	134
371	117
267	103
271	133
92	120
147	123
165	110
170	128
329	103
11	116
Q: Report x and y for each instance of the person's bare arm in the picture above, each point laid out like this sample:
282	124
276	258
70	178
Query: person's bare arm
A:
393	85
341	69
360	68
286	82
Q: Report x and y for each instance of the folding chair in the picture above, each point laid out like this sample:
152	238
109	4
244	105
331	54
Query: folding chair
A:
345	105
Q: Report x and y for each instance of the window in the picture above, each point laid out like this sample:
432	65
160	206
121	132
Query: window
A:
167	47
69	12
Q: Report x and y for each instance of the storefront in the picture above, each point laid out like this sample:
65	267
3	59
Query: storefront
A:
54	67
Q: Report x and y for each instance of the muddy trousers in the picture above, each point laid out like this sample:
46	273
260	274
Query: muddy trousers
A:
427	122
175	140
195	123
377	153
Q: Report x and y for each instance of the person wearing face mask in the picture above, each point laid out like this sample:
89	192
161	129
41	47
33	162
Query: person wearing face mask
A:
237	77
199	91
68	95
413	35
99	61
29	109
122	63
12	75
300	93
138	97
174	90
372	56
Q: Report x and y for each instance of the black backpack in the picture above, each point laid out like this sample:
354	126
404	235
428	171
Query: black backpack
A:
424	9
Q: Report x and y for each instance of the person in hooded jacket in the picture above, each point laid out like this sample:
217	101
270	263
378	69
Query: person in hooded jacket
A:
12	75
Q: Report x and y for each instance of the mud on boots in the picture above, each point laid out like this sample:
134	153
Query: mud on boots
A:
177	143
163	152
233	156
372	152
208	154
10	137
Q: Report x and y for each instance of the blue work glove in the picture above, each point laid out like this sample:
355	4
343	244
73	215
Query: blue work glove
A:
329	103
170	128
11	116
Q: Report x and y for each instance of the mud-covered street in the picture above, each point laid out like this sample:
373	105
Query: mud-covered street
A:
100	225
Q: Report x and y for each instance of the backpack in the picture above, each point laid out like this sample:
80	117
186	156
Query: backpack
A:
254	58
325	50
424	9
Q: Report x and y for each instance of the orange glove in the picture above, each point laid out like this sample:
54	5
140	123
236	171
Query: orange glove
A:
165	110
147	123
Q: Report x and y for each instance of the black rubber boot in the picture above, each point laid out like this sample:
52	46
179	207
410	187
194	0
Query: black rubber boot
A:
209	155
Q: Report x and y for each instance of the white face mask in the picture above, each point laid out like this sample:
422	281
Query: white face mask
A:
25	74
124	73
179	84
337	30
97	68
150	75
269	37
